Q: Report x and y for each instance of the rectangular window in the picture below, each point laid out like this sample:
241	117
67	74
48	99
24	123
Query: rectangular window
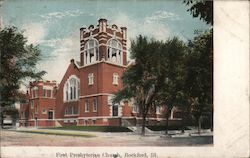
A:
94	122
23	114
95	105
115	110
50	114
26	114
44	111
75	110
32	115
91	79
44	93
32	104
34	93
158	110
87	106
70	110
36	109
135	108
115	79
49	93
86	122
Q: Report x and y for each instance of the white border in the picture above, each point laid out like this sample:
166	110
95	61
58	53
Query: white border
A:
231	96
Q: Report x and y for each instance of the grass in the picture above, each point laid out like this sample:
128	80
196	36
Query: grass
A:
96	128
57	132
163	128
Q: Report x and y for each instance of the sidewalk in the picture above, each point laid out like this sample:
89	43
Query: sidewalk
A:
50	137
172	133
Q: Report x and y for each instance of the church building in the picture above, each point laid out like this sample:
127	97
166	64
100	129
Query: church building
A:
84	95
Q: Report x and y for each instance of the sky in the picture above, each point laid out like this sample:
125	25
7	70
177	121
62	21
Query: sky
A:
54	24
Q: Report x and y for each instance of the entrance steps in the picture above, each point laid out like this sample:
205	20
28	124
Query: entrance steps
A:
137	130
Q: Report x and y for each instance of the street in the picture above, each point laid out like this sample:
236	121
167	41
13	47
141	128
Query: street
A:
14	138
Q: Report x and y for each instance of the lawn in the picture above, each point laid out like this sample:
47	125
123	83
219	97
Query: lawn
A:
96	128
163	128
57	132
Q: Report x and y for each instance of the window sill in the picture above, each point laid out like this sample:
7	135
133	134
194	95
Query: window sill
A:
48	98
71	115
67	101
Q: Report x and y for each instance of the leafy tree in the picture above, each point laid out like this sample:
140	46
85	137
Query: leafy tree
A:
202	9
171	76
156	78
199	76
18	62
140	79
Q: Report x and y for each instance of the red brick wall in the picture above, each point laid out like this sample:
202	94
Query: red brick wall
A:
107	78
105	109
114	121
127	109
87	89
47	104
46	123
103	78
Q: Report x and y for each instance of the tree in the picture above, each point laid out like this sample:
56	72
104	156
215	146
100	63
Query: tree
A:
199	76
202	9
140	79
202	105
171	76
18	62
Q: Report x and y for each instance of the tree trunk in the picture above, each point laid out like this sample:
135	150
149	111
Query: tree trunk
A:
182	123
212	121
143	125
2	119
167	123
199	125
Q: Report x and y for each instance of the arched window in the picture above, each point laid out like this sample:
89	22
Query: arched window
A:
72	89
115	51
91	54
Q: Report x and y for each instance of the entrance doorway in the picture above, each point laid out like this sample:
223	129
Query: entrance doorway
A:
50	114
115	110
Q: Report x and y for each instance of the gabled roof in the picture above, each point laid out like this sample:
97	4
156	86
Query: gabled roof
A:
77	63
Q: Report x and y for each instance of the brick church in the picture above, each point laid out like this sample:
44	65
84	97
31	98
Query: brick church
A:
84	95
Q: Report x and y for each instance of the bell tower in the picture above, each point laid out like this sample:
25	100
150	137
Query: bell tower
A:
103	43
103	61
